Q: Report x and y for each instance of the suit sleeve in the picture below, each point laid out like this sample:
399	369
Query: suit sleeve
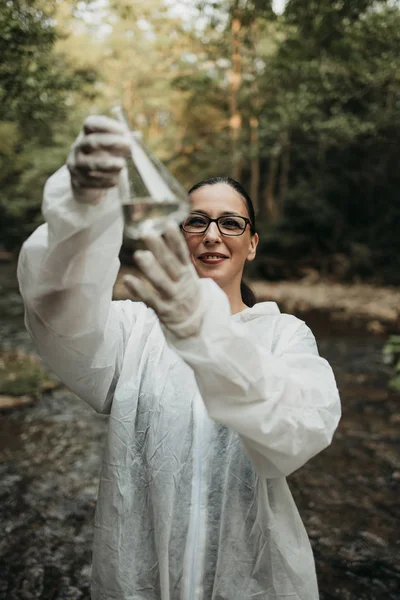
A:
285	405
66	273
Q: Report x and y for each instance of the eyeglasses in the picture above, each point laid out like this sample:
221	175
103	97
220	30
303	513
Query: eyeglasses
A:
227	225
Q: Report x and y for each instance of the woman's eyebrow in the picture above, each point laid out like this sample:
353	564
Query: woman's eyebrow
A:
225	213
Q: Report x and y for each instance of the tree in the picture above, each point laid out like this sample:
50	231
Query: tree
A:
303	107
36	84
343	87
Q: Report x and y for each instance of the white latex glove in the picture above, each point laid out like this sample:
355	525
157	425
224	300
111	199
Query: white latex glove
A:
176	294
96	158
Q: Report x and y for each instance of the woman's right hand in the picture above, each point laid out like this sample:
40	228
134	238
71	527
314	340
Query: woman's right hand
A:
97	158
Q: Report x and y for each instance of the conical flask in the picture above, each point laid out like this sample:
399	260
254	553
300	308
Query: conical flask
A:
150	194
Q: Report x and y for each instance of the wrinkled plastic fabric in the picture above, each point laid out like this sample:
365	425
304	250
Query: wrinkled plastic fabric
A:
193	502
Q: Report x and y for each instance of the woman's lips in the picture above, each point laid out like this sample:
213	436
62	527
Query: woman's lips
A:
212	259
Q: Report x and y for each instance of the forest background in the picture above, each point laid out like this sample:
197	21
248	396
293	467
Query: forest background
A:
300	101
302	105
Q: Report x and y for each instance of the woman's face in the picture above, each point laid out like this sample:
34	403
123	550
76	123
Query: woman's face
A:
214	255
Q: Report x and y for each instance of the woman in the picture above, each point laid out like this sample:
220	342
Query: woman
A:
211	403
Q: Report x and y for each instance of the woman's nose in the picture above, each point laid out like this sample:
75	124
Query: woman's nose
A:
212	234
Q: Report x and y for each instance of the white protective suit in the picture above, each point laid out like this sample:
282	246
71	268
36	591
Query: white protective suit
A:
193	502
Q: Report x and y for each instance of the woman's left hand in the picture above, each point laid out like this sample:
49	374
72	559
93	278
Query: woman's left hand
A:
176	293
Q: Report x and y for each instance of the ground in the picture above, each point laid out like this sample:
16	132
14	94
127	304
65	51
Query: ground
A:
50	455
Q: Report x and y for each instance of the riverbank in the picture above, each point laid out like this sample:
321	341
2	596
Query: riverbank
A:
375	307
366	306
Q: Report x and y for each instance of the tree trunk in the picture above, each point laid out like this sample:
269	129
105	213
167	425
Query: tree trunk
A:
284	172
255	106
128	94
389	101
255	163
235	121
154	126
272	209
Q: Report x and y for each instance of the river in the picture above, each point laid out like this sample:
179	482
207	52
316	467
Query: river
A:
348	496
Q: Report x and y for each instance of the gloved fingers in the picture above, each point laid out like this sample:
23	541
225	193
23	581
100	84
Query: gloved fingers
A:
99	162
111	178
165	257
139	290
115	145
154	272
93	169
94	180
176	242
86	195
102	124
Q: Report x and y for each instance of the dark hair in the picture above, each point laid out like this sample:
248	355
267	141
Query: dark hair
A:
248	295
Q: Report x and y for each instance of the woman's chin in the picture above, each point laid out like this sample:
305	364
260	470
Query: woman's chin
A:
215	272
208	274
202	273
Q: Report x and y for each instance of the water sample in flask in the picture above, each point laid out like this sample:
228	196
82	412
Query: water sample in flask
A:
150	194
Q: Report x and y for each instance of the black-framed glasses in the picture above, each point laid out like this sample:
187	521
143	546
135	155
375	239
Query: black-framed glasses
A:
227	224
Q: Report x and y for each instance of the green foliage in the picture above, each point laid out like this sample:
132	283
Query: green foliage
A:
22	374
316	97
338	95
36	84
391	356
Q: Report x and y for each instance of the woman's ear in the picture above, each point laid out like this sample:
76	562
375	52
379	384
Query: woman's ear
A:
253	247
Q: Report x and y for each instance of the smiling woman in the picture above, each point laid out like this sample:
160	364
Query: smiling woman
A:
221	236
212	401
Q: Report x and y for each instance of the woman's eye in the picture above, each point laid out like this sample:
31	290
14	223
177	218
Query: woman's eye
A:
231	224
193	221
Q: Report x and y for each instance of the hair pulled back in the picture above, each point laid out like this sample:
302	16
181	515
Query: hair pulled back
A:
247	293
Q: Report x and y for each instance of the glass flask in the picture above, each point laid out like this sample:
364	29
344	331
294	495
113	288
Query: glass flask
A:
150	195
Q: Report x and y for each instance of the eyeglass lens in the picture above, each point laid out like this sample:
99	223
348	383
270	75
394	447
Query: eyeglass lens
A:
229	225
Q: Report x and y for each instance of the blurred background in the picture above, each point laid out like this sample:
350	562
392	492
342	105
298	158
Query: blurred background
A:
299	101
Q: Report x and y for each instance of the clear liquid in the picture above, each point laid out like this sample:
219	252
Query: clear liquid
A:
150	196
143	216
